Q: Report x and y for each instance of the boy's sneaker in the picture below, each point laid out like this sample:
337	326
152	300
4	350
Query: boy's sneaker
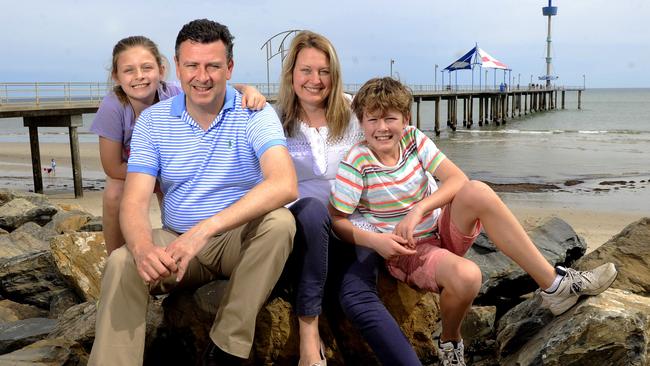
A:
578	283
451	355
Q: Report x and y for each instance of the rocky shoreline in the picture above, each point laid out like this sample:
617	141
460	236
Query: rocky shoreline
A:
52	256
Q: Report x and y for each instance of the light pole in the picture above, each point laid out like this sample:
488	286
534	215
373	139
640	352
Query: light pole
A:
486	76
435	77
518	80
391	67
442	85
584	82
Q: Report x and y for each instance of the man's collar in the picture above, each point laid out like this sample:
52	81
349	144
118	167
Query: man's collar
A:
178	103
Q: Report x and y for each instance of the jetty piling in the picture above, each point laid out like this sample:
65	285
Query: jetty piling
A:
63	104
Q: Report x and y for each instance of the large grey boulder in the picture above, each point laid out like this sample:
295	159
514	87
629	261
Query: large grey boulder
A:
630	252
77	324
39	232
504	279
18	334
7	195
19	243
68	221
612	328
19	211
31	279
47	352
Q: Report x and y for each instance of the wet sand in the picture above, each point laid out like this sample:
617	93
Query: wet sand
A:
588	207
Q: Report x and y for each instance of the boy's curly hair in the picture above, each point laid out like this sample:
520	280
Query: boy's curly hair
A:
381	95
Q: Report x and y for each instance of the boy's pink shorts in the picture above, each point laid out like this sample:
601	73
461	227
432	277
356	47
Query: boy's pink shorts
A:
419	270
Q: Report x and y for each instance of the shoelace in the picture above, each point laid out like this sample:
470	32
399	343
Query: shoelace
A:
453	356
578	280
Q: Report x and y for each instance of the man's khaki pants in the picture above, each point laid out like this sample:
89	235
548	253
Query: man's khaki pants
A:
252	256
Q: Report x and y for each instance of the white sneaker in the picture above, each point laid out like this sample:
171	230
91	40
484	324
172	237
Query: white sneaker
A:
578	283
450	355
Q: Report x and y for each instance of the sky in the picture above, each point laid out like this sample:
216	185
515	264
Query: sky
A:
606	41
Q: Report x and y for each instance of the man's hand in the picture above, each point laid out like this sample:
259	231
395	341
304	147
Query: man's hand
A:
406	227
185	247
154	264
391	245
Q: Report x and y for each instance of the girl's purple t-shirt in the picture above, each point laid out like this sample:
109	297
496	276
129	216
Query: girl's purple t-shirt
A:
115	120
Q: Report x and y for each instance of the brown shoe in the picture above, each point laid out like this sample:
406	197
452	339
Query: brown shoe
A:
215	356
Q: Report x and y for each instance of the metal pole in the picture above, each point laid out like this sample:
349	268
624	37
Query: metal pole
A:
391	67
486	79
584	82
435	77
548	51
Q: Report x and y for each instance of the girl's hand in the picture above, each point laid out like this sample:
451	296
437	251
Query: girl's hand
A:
252	98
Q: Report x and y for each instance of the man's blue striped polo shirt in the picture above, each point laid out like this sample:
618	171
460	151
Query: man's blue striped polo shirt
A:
202	172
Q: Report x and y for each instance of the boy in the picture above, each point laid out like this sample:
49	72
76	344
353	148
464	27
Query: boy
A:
423	230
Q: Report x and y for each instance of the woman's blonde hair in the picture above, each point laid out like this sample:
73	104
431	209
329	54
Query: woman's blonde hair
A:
337	106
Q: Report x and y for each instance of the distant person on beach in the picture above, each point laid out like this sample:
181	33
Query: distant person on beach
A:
422	230
138	71
52	169
225	174
320	129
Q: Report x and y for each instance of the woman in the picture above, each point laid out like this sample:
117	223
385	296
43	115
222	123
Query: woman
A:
320	129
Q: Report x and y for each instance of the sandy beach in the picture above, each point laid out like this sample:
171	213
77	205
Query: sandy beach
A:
596	226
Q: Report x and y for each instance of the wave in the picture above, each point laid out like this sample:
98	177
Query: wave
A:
550	132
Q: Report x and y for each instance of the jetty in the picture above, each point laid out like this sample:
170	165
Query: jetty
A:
62	104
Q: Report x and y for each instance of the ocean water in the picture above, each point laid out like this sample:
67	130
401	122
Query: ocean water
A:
606	141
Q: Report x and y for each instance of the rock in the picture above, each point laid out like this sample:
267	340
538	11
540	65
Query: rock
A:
19	243
81	257
3	231
504	279
417	312
7	195
47	352
573	182
31	279
12	311
37	231
478	333
612	328
18	334
189	315
68	221
630	252
77	324
95	224
61	301
19	211
70	207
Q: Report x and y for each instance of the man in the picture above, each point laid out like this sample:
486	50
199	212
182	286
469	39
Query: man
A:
225	173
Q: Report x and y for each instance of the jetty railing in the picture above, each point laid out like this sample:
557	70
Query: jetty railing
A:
43	93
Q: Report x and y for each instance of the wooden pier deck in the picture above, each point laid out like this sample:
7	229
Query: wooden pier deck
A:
63	104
